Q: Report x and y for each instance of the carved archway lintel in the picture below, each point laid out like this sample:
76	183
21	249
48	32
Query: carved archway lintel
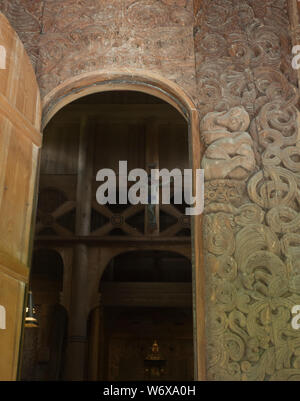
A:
109	80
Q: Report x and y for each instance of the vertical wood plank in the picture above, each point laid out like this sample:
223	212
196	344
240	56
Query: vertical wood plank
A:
20	118
77	341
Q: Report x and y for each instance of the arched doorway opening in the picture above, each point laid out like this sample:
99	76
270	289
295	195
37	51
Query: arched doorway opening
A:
145	299
61	170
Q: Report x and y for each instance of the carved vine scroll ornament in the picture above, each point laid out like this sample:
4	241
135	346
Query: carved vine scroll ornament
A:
251	233
243	73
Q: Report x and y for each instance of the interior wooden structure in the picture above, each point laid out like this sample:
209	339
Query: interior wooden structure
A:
139	286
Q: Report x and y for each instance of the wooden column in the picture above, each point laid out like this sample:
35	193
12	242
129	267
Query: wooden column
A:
29	354
152	162
77	341
96	325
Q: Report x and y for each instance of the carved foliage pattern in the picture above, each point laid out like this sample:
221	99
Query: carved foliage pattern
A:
74	37
26	18
243	68
252	221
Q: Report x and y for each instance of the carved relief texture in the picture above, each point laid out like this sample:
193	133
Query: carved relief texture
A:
248	99
26	18
83	36
247	96
230	149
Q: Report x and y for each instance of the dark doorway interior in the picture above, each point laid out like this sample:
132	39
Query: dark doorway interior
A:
105	332
147	297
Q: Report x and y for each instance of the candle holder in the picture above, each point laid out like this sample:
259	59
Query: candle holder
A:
154	363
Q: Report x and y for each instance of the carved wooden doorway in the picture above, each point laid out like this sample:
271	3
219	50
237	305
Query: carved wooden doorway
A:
20	142
95	132
152	84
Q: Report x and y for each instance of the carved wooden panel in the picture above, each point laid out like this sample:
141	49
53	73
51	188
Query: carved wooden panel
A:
237	67
66	37
25	17
248	100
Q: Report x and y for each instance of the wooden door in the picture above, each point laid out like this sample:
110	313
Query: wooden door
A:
20	140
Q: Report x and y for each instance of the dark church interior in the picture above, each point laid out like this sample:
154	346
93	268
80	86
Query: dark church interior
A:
106	274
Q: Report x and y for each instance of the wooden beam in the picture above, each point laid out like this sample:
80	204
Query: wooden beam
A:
12	267
118	114
20	122
146	294
113	239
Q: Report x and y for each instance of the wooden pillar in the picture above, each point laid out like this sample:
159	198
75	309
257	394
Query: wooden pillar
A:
30	354
96	325
77	340
152	162
198	259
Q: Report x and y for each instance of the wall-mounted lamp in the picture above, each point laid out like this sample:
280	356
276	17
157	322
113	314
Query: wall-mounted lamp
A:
30	319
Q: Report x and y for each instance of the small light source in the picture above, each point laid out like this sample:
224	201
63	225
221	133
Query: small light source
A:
30	320
154	363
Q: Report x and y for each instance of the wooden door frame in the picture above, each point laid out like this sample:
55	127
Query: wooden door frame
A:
155	85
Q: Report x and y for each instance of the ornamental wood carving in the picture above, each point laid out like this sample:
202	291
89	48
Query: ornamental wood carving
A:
252	232
68	37
230	149
236	60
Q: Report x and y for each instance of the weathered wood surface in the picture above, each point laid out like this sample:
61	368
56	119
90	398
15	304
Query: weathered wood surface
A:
145	294
20	139
238	55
